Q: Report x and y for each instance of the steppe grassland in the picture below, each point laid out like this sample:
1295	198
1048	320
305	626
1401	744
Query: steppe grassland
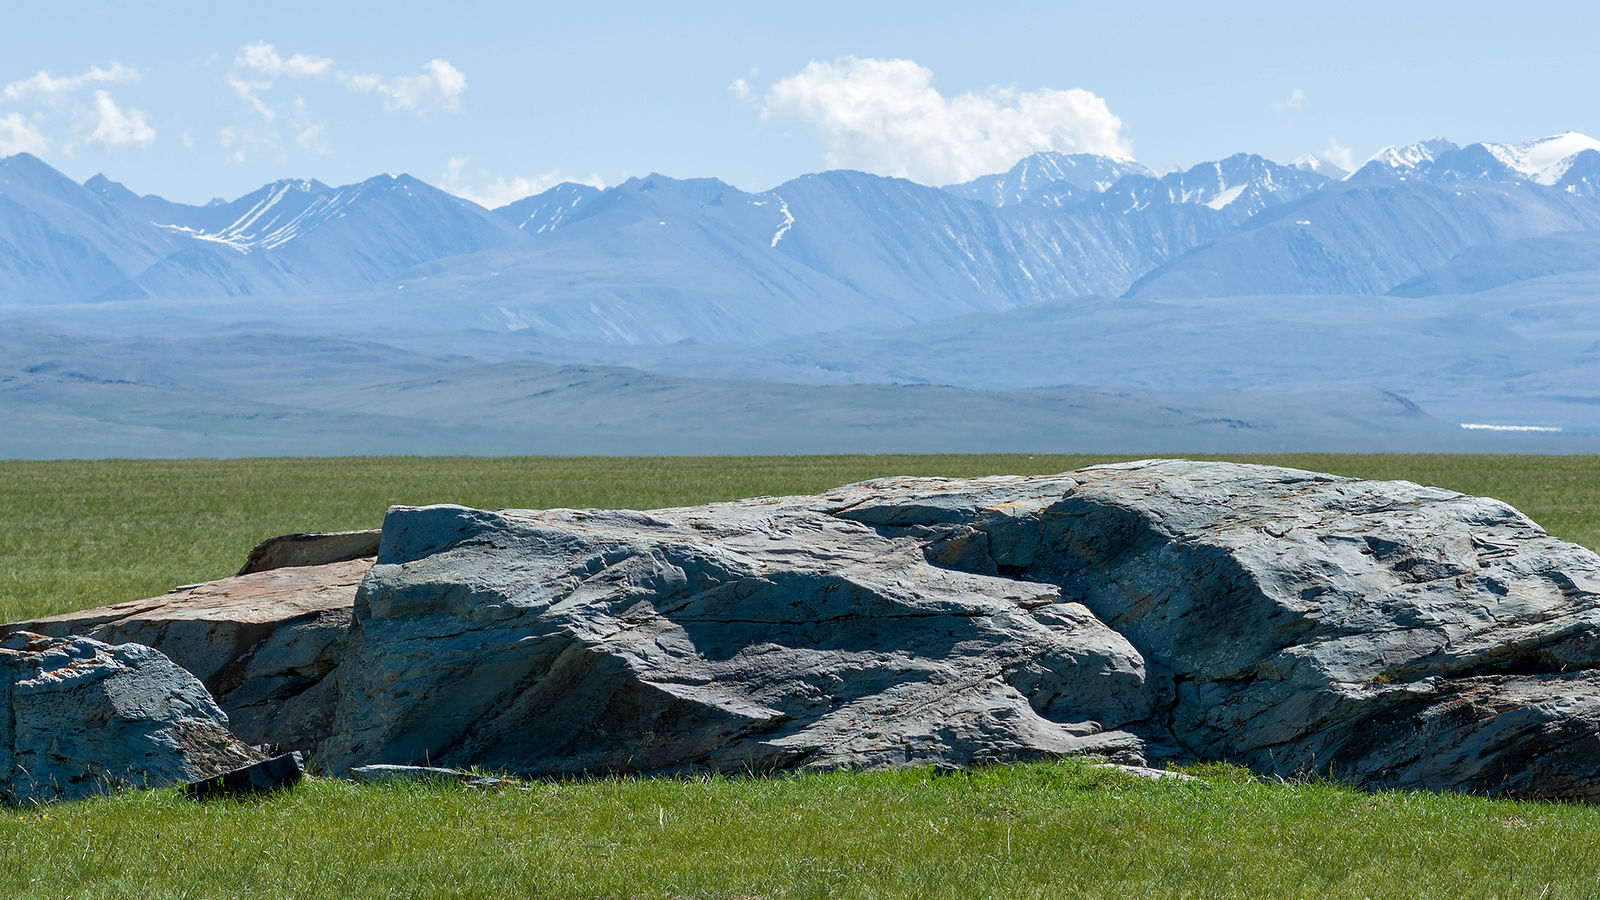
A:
79	534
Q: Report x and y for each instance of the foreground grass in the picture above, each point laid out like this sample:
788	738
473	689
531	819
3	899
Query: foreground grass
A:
1058	829
79	534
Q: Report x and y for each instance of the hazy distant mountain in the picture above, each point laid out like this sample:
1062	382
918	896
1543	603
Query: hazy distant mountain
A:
1083	172
658	260
1367	237
62	242
1315	164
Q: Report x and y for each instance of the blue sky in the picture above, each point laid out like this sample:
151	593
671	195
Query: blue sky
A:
192	100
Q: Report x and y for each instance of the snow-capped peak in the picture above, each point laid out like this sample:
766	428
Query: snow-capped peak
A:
1545	160
1318	166
1411	156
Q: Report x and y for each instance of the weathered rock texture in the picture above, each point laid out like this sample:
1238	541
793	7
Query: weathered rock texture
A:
262	643
79	717
1386	633
1381	631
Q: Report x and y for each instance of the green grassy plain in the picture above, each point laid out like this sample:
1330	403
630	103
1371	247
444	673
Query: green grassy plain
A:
1060	829
80	534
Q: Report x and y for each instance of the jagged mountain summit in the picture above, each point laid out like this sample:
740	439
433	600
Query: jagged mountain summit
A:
658	259
1316	164
1085	172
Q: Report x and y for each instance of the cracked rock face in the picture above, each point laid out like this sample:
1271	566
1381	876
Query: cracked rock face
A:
1384	632
79	717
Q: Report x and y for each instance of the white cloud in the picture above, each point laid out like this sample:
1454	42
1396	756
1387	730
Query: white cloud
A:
242	144
502	190
439	81
1339	155
116	128
263	57
310	138
18	135
885	116
740	88
1295	100
46	84
250	92
258	66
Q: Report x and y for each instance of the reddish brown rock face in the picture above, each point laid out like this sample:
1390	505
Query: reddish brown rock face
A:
258	642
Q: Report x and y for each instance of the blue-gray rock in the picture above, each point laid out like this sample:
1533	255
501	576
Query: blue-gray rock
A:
80	717
273	774
1383	632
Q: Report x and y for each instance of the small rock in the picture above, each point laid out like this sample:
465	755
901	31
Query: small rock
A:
378	774
267	775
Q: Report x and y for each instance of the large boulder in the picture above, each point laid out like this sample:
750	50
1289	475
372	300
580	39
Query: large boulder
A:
261	643
1380	631
79	717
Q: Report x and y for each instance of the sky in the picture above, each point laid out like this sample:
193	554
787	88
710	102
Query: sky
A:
494	101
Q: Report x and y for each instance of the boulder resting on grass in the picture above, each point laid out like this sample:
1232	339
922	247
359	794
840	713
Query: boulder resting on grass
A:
1384	633
79	717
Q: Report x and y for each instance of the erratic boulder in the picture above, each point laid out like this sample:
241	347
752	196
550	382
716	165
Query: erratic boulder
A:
79	717
1381	632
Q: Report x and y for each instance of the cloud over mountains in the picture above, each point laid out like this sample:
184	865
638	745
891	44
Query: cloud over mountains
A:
885	116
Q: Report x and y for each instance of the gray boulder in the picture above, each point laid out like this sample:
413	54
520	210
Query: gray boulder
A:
1380	631
79	717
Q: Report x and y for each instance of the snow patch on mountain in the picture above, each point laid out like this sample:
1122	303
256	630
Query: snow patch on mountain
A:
1411	156
1316	165
1546	160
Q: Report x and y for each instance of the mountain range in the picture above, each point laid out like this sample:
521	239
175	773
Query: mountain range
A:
1236	304
658	259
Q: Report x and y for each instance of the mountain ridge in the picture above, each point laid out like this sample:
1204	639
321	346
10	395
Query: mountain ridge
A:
658	259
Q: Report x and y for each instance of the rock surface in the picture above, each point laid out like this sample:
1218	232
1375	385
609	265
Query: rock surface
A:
79	717
1380	631
262	643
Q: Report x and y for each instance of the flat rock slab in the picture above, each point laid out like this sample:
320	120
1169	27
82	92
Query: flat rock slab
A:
381	774
259	642
79	717
311	548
